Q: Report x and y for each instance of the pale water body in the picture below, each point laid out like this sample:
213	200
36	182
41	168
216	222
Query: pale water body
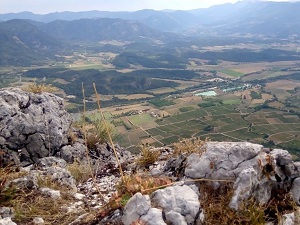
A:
207	93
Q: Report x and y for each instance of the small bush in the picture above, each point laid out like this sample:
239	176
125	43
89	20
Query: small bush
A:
98	134
39	88
81	172
189	146
148	157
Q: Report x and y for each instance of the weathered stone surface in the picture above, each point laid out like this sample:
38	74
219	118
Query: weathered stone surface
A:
175	218
153	217
296	191
288	219
136	207
180	199
28	182
54	194
71	152
244	186
7	221
60	175
6	212
33	126
50	161
222	160
38	221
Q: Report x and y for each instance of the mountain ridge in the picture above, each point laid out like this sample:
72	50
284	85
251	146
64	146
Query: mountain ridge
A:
182	21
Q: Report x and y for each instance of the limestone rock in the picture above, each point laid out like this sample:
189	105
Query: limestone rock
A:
153	217
136	207
6	212
222	160
32	125
7	221
54	194
178	199
71	152
28	182
50	161
296	191
62	176
38	221
288	219
175	218
244	186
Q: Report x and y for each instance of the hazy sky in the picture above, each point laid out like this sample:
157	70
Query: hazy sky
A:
47	6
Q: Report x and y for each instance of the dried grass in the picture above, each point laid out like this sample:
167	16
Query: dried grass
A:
189	146
39	88
148	157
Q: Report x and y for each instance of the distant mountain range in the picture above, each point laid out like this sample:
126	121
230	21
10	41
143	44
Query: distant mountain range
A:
276	18
27	38
27	42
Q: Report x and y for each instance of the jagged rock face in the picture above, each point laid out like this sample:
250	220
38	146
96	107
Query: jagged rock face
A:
32	125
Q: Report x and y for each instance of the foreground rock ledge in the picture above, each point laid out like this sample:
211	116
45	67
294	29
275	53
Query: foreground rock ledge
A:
256	172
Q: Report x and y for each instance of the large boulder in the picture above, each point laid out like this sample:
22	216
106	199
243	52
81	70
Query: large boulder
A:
222	160
32	125
177	204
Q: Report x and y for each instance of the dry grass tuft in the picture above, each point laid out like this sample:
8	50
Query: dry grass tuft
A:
39	88
189	146
215	204
7	194
148	157
32	204
81	172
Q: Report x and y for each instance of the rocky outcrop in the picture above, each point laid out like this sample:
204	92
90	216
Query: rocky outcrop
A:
256	172
32	125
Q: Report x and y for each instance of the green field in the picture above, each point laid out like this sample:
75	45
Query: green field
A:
232	73
140	119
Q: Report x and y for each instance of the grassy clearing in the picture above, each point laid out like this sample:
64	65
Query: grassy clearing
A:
232	73
141	118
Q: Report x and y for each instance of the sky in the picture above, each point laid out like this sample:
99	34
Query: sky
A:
48	6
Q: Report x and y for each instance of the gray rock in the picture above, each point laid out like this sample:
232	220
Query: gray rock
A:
71	152
244	186
32	125
7	221
136	207
296	191
222	160
175	218
28	182
51	161
61	176
153	217
6	212
54	194
79	196
288	219
180	199
38	221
